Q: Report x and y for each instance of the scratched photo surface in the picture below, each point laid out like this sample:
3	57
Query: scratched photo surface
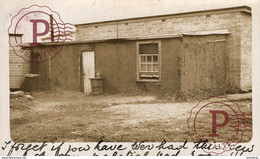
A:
129	71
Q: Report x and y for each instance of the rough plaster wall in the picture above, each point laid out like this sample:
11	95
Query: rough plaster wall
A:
41	69
116	61
246	52
63	73
170	69
175	25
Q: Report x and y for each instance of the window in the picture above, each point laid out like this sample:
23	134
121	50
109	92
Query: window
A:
148	61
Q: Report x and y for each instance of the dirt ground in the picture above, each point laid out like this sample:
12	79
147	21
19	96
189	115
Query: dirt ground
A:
76	117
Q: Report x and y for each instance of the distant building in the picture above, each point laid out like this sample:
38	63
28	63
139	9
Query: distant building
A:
199	50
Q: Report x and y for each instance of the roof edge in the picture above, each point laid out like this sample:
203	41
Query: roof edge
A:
27	45
165	36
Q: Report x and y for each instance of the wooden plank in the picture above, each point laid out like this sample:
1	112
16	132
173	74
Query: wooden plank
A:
88	69
204	65
17	69
17	56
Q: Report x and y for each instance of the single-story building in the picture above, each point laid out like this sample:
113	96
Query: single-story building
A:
199	50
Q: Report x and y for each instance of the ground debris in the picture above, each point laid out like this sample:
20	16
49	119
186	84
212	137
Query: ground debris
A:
189	95
28	97
21	94
16	94
72	116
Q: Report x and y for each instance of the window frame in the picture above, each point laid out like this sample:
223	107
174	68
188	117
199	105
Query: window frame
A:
138	59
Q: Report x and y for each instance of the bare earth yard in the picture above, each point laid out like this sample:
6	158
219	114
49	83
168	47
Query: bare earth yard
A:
76	117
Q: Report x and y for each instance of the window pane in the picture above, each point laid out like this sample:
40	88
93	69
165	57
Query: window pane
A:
155	58
155	67
143	67
149	58
149	61
148	48
142	59
149	67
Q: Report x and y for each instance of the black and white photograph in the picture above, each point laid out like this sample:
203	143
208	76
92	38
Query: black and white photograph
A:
129	78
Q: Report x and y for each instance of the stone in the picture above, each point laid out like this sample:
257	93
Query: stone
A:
16	94
28	97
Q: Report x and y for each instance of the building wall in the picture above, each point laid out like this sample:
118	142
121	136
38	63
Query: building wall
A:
171	68
238	23
115	60
117	63
61	72
18	67
246	52
161	26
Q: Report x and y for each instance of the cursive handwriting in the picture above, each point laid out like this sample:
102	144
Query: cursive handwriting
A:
115	149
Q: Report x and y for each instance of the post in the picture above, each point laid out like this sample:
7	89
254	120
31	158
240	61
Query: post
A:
52	32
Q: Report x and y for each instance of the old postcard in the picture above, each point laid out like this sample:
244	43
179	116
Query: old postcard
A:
130	78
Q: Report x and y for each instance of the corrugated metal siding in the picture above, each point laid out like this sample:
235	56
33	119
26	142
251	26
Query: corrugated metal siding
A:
18	67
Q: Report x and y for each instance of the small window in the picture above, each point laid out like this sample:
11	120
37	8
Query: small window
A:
148	61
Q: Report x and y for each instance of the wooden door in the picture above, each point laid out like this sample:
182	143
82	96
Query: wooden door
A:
204	65
88	59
